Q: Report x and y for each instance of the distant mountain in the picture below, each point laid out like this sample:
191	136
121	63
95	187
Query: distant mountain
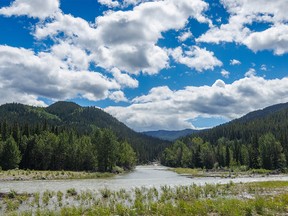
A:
251	126
170	135
63	115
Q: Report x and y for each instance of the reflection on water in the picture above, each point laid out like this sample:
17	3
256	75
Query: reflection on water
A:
143	176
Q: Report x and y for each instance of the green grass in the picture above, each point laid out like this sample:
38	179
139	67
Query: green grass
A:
265	198
229	172
268	184
19	175
187	171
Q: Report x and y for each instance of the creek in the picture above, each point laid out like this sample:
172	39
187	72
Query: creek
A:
142	176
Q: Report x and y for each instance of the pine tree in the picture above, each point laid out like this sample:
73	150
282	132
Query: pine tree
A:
11	155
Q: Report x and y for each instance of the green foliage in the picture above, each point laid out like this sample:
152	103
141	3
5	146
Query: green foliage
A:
126	157
48	151
71	192
65	136
257	140
226	153
271	152
11	156
61	136
267	198
177	155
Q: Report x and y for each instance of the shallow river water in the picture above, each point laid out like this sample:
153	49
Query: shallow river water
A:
143	176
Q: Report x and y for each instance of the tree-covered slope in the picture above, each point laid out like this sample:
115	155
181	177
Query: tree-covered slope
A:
257	140
250	127
83	120
23	114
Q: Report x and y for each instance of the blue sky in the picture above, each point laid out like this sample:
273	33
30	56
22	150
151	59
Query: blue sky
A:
153	64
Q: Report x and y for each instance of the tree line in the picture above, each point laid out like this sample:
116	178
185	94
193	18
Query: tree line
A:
42	147
267	153
66	116
257	140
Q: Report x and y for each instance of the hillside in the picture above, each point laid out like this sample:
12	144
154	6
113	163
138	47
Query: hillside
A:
68	115
170	135
251	126
262	113
256	140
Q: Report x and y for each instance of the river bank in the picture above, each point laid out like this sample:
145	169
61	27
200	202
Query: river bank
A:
257	198
225	173
28	175
148	190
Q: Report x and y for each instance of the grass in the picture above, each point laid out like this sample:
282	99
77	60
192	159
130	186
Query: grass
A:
19	175
188	171
265	198
224	173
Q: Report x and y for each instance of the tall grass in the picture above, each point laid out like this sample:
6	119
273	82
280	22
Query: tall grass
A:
265	198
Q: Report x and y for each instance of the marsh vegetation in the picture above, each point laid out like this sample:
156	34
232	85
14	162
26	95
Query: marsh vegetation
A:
21	175
261	198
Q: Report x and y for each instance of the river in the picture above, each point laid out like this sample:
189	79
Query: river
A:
143	176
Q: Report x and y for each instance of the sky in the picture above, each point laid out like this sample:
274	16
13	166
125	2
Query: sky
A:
152	64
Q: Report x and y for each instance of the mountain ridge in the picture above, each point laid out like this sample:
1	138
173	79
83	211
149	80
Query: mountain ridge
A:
250	126
64	114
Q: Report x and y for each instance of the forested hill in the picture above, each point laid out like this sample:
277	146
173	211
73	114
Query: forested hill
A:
257	140
250	127
262	113
63	116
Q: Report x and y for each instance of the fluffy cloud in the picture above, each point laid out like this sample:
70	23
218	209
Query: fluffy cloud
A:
173	110
32	8
274	38
263	67
231	32
250	72
118	96
109	3
242	15
76	29
120	42
225	73
195	57
127	39
124	79
74	57
235	62
122	3
184	36
26	76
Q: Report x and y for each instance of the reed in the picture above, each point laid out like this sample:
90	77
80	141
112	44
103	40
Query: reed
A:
258	198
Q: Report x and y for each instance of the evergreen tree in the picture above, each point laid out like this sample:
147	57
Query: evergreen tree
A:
11	155
106	153
271	152
126	157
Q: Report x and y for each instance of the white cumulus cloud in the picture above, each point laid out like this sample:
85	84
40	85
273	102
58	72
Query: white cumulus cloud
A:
274	38
109	3
26	76
32	8
163	108
118	96
225	73
127	39
243	14
184	36
250	72
198	58
235	62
